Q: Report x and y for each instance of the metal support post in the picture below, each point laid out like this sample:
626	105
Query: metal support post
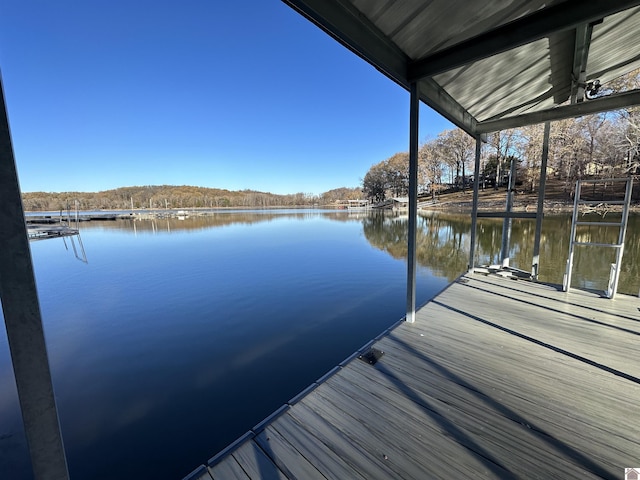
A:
23	322
506	225
535	264
413	203
474	211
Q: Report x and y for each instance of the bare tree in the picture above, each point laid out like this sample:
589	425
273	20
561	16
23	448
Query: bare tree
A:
429	167
530	148
457	148
505	146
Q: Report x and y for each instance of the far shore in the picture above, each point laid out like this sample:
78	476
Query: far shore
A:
453	206
457	202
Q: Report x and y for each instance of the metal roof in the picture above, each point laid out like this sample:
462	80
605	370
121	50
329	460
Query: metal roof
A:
495	64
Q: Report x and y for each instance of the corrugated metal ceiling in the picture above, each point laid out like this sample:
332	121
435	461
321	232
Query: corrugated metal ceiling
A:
421	27
501	62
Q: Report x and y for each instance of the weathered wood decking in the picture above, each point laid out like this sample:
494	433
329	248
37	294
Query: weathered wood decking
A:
495	379
42	232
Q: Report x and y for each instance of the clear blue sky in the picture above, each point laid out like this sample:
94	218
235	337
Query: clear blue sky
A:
103	94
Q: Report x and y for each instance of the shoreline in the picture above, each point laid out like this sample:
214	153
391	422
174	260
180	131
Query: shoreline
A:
550	206
446	205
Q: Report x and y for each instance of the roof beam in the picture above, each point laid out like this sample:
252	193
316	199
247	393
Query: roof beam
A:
597	105
437	98
580	58
563	16
342	21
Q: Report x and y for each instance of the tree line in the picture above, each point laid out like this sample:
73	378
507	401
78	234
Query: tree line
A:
605	145
178	197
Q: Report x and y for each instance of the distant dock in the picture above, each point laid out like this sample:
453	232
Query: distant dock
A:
497	378
43	232
84	217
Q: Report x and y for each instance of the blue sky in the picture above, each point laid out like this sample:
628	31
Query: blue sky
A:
103	94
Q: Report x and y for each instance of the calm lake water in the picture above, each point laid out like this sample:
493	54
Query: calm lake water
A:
177	336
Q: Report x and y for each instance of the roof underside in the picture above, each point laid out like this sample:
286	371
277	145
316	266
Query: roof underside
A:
496	64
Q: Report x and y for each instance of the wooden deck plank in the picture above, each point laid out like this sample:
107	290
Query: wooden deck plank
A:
368	464
488	419
509	360
495	379
416	432
545	382
228	469
539	397
621	305
623	308
286	457
479	426
256	464
323	458
602	345
377	434
594	315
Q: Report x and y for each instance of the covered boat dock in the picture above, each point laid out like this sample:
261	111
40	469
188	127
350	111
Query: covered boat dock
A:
495	377
489	379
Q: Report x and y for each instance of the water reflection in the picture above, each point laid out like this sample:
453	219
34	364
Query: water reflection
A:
78	251
443	240
173	224
442	244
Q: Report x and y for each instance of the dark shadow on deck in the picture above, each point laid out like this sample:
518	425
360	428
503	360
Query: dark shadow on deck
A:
556	444
563	312
460	436
588	361
563	301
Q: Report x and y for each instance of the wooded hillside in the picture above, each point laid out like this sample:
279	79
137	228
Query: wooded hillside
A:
169	196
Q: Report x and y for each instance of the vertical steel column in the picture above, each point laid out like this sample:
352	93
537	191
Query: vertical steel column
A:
474	210
413	203
23	322
535	264
508	222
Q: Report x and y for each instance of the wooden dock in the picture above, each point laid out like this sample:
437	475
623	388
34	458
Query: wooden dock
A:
496	379
43	232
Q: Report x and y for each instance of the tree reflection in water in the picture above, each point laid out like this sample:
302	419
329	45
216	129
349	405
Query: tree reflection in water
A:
443	240
442	245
